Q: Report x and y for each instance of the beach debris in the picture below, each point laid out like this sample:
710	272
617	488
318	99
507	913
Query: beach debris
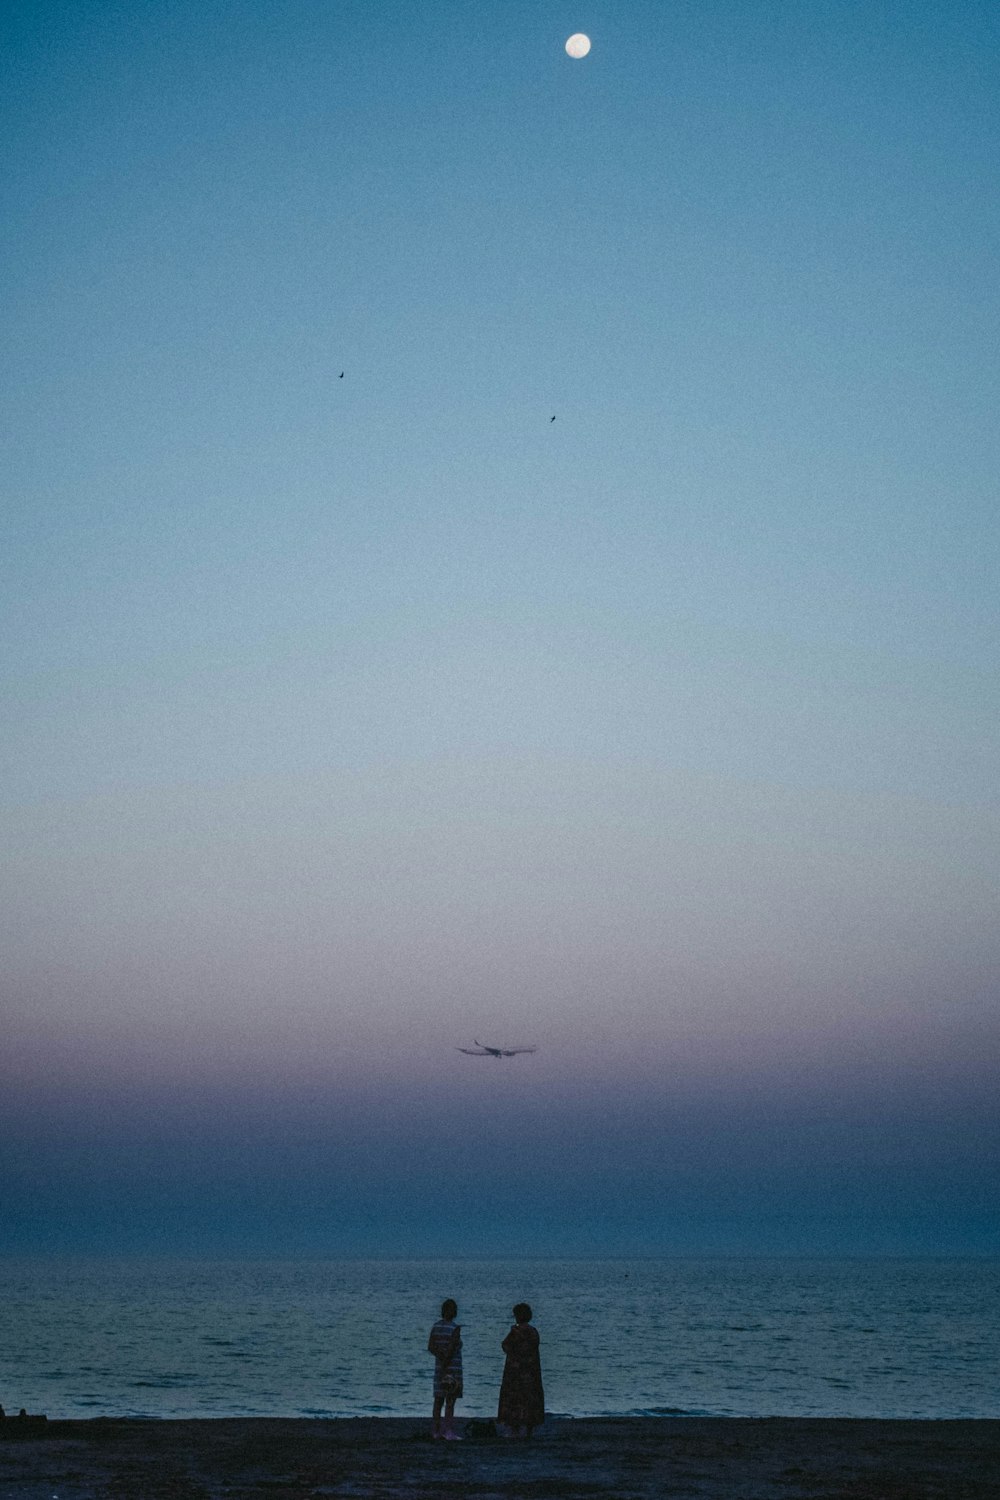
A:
25	1424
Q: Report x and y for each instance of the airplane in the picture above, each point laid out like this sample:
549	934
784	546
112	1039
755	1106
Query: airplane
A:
485	1051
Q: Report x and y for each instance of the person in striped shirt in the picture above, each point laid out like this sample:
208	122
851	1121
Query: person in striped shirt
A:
445	1343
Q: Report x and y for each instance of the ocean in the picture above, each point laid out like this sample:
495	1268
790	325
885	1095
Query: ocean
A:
716	1337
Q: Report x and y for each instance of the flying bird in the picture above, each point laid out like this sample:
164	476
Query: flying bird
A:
552	419
483	1051
341	375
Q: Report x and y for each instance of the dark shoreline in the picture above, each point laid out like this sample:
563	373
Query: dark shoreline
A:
632	1458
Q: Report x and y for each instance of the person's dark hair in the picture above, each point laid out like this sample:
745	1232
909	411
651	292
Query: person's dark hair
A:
449	1307
522	1313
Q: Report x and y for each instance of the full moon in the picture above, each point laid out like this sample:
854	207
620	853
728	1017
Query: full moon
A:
578	45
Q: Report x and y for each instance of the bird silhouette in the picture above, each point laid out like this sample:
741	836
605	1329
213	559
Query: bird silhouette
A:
552	419
341	375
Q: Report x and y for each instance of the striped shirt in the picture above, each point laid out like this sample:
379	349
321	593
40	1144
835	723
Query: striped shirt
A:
439	1341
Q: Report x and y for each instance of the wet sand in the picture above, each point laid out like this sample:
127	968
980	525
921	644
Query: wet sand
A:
630	1458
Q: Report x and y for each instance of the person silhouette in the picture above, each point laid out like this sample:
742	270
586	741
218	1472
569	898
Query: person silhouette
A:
445	1343
522	1399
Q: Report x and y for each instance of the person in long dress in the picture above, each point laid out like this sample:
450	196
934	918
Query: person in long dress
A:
522	1398
445	1343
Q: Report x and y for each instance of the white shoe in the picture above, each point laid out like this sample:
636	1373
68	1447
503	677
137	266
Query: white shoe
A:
453	1437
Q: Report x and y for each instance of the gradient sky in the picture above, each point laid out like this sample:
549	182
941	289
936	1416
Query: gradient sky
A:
349	720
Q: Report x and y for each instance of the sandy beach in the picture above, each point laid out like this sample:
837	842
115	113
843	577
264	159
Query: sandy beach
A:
631	1458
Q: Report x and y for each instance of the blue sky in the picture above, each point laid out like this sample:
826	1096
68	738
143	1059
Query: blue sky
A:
349	719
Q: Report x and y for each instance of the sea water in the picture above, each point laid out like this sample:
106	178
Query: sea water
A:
848	1338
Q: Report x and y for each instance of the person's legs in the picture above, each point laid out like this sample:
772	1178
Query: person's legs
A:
438	1403
449	1419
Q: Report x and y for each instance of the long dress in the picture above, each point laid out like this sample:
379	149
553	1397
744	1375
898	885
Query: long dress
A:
522	1399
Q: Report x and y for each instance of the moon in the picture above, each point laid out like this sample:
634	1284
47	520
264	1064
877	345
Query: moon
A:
578	45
